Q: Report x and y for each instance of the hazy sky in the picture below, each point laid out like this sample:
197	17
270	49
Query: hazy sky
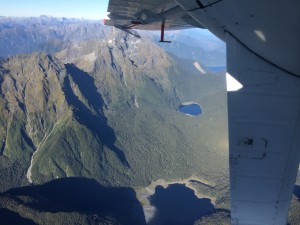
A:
88	9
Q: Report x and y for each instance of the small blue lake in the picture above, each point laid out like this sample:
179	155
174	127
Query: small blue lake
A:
192	109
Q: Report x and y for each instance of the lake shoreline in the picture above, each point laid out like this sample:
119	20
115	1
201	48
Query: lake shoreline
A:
190	109
143	194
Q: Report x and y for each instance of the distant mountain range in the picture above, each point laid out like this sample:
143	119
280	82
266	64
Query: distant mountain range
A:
43	34
49	34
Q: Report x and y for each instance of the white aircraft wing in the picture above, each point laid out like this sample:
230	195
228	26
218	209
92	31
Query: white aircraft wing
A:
263	54
264	138
148	15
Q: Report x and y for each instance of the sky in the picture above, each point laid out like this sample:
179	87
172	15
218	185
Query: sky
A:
87	9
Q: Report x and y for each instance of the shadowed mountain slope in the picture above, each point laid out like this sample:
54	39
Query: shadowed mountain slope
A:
79	199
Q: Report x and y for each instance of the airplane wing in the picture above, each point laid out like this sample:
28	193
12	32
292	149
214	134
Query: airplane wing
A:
148	15
263	54
264	138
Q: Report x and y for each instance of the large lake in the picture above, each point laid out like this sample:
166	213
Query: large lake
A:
192	109
178	204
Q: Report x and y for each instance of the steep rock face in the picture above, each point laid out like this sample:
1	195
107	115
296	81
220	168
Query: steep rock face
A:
32	85
32	101
45	116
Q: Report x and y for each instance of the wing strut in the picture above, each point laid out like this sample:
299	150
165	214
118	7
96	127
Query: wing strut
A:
162	32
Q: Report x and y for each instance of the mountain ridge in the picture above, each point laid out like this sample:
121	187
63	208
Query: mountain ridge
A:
63	88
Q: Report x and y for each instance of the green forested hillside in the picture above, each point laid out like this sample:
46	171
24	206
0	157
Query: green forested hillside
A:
85	117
